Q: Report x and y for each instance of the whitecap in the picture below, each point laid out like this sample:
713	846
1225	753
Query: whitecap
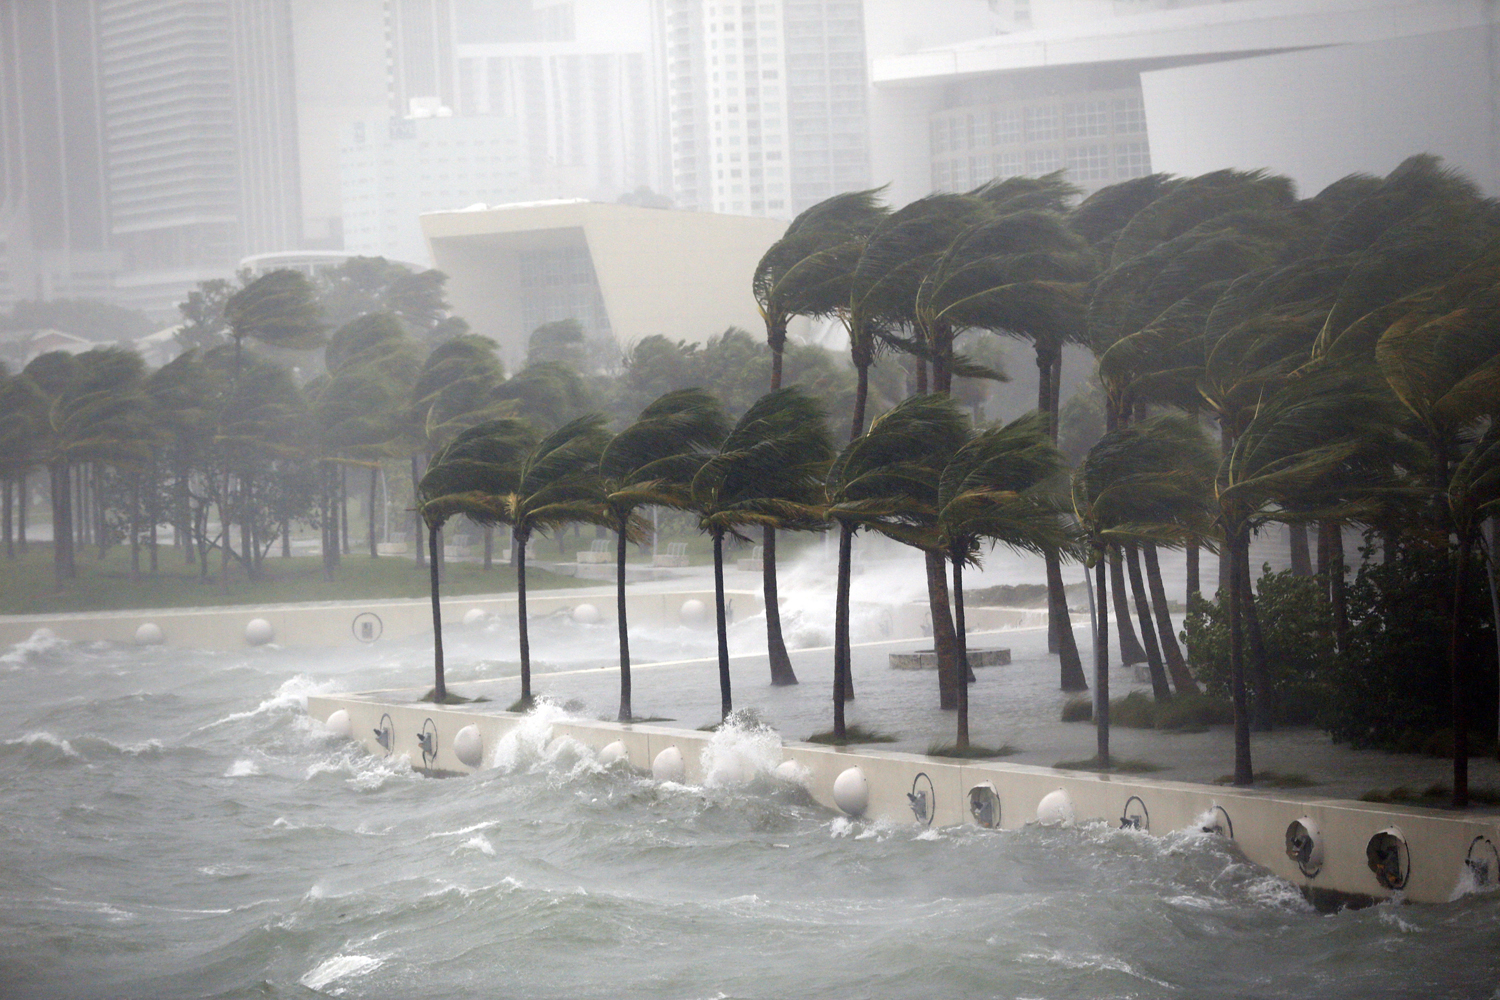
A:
480	844
464	830
292	695
242	769
340	967
40	641
46	739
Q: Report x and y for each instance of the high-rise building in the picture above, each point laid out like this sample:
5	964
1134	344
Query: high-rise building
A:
54	221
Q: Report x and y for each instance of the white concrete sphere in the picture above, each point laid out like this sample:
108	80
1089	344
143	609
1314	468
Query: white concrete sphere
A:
1055	809
613	752
668	766
150	634
258	632
468	746
694	613
339	725
790	770
851	792
475	616
586	614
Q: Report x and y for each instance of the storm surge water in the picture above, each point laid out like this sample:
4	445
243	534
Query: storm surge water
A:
175	826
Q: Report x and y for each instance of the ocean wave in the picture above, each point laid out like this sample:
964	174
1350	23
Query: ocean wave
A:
338	967
291	696
43	640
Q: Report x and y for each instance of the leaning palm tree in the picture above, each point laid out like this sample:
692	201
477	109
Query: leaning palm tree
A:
465	477
650	463
279	308
1147	481
886	479
806	273
997	488
554	485
768	470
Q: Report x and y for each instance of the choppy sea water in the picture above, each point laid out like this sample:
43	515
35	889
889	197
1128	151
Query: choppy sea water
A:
173	825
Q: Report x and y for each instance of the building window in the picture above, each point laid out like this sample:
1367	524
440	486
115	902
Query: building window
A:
1132	159
1041	124
939	136
1084	119
1043	161
1088	163
1007	165
1005	126
1130	116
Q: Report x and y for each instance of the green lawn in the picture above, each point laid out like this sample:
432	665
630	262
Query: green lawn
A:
27	585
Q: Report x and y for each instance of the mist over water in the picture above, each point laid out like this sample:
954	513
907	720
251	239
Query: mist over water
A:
173	825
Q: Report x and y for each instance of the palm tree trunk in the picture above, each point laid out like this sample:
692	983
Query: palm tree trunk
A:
1130	646
726	703
1492	575
1459	673
1182	678
416	482
782	674
374	482
1194	581
961	739
1296	533
861	398
518	543
1160	690
1338	589
841	629
1263	707
23	505
439	686
1236	548
1060	637
944	641
489	547
343	485
135	527
620	543
1101	658
8	514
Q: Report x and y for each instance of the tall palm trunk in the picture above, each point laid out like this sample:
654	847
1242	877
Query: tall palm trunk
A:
944	638
620	542
1236	549
841	630
518	544
1263	708
62	522
1160	690
439	686
1458	672
1130	646
8	514
961	739
1177	669
1060	637
1101	657
374	481
416	483
1301	554
782	674
1194	580
23	506
726	702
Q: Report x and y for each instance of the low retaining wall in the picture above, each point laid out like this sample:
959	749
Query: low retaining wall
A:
1433	859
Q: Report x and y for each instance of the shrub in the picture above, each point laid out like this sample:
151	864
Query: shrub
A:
1078	710
1194	713
1296	622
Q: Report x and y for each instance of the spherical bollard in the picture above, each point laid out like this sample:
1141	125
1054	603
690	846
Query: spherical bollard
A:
149	634
730	769
790	770
1055	809
668	766
851	792
586	614
338	724
694	613
258	632
613	752
475	616
468	746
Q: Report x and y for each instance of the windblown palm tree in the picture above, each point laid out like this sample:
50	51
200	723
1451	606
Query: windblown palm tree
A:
467	476
768	470
651	462
1148	481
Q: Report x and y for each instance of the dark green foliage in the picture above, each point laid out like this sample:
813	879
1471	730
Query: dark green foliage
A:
970	752
1187	713
852	735
1078	710
1390	689
1295	619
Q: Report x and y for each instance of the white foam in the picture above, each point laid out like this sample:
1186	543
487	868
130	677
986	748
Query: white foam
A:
340	967
291	696
739	750
242	769
46	738
40	641
480	844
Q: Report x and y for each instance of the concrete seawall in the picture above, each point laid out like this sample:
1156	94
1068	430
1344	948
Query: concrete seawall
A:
1436	855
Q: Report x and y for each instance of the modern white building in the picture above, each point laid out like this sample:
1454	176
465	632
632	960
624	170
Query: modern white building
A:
1111	90
394	169
623	272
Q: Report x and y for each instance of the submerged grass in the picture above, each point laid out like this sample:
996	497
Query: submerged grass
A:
970	752
451	698
1437	795
852	735
1188	713
1117	765
1273	779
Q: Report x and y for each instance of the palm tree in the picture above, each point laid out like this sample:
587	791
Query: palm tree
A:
554	485
466	476
995	488
280	308
806	273
886	479
768	470
1146	481
651	462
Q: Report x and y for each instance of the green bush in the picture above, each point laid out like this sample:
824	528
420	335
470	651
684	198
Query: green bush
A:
1390	687
1296	623
1194	713
1078	710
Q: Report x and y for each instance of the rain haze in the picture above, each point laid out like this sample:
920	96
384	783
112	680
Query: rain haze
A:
1054	401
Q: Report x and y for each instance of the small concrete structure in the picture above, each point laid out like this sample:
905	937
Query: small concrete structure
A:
1365	851
926	659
